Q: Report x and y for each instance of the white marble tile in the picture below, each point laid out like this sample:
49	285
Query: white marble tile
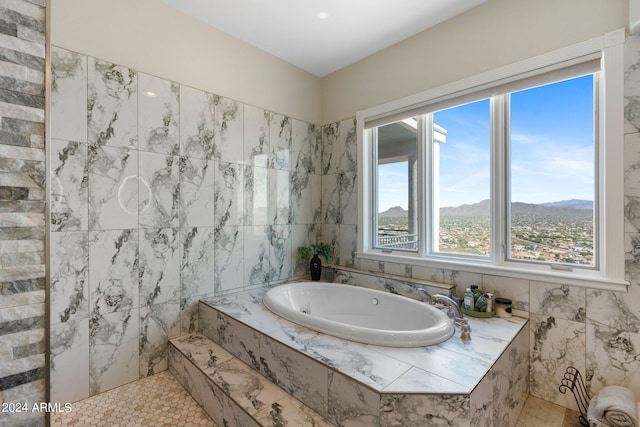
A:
280	141
347	245
416	380
197	265
113	271
68	95
229	127
339	147
189	315
229	255
280	254
425	411
159	266
305	379
69	270
69	358
300	207
112	105
567	302
613	309
158	115
257	197
229	194
69	206
612	358
302	135
113	350
351	404
158	190
555	344
197	125
249	389
501	395
256	136
113	188
289	411
158	324
256	255
632	84
279	200
197	192
516	290
211	398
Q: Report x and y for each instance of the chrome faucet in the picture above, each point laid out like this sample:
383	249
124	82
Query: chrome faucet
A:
458	317
439	298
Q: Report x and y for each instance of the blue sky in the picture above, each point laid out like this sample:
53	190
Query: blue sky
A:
551	149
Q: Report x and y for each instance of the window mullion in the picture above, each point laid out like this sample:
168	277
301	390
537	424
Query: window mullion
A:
499	175
425	184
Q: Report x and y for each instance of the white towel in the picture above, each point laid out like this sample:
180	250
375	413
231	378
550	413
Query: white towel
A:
614	406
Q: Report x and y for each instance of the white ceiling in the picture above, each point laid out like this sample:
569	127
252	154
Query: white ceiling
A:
292	30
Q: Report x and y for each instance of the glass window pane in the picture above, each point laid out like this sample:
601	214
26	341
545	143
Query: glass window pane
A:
552	173
396	190
462	179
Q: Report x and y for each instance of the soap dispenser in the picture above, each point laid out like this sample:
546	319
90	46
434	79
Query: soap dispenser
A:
469	303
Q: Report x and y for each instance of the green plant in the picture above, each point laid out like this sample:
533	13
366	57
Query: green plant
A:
304	252
323	250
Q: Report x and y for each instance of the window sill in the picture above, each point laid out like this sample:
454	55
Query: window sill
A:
573	278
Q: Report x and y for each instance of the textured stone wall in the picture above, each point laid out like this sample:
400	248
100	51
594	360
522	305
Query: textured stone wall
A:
22	208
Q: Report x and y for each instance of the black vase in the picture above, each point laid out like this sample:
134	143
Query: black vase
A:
316	267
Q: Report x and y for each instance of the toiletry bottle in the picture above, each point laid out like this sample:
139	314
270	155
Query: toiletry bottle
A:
489	302
468	300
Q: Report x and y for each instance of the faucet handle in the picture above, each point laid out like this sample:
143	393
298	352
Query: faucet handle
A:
465	333
463	322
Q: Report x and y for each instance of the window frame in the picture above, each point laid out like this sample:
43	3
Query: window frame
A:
608	272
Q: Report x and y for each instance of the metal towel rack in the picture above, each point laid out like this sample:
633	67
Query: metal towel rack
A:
572	380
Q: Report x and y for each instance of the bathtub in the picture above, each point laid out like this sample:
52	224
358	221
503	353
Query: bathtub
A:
360	314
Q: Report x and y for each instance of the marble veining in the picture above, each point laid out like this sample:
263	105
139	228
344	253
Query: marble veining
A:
363	385
69	186
113	271
159	266
112	105
158	115
197	127
375	366
229	129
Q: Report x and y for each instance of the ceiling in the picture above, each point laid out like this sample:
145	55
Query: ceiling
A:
322	36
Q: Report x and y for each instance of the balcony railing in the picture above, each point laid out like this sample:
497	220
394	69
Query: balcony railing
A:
396	239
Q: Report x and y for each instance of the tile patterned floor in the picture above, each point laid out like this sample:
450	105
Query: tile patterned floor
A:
160	401
156	401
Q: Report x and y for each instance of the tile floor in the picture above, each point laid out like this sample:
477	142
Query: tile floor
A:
160	401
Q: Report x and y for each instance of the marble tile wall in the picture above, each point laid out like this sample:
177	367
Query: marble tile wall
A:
22	209
161	194
596	331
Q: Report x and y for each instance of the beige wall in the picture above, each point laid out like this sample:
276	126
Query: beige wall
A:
150	37
494	34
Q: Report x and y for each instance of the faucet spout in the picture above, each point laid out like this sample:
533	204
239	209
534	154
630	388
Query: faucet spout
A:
443	299
428	298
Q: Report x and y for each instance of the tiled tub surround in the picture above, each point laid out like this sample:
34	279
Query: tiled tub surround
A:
161	194
477	383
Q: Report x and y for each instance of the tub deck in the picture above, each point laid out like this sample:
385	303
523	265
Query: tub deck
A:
464	383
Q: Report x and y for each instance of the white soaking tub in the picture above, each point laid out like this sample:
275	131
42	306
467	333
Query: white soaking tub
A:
360	314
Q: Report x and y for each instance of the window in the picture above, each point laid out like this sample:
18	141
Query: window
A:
517	175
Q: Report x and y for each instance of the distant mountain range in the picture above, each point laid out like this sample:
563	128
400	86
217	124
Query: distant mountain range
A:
574	207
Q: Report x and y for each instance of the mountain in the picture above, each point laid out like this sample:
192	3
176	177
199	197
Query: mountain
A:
573	203
393	212
574	207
